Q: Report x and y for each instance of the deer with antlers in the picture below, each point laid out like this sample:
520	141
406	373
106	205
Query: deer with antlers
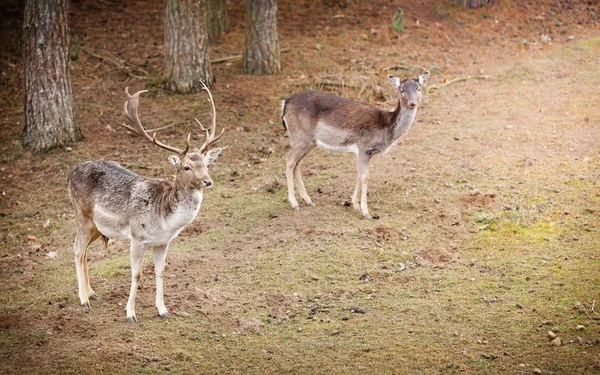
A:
112	202
315	119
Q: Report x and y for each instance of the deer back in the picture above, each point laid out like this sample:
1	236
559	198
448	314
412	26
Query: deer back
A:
335	122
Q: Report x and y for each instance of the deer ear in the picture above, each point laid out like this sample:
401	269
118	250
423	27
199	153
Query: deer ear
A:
212	155
423	78
395	81
174	159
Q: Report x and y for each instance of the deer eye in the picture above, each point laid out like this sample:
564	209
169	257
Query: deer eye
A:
186	167
402	91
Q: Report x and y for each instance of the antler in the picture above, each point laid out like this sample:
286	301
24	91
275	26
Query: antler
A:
210	135
131	114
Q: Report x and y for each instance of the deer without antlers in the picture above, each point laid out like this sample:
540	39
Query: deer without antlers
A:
112	202
315	119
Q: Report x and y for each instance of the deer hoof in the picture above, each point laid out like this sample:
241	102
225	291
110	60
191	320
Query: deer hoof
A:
93	297
165	315
311	204
296	208
132	319
375	216
86	305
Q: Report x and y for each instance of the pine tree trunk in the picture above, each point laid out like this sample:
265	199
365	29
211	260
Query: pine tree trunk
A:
186	46
261	53
218	22
48	108
474	3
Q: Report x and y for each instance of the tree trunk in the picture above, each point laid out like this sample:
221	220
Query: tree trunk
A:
186	46
261	53
474	3
49	116
218	22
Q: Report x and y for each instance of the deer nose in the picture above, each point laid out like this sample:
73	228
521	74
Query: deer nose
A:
207	183
412	104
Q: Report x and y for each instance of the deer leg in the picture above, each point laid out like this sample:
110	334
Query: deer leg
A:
137	260
355	194
295	154
363	175
86	234
160	255
298	175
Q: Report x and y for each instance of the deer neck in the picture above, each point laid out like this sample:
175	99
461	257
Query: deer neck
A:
402	120
180	197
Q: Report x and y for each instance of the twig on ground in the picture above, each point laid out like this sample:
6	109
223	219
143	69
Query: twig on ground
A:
325	84
161	128
234	112
362	89
130	166
121	65
237	57
593	306
448	83
403	67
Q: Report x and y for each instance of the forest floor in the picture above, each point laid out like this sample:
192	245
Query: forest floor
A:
490	206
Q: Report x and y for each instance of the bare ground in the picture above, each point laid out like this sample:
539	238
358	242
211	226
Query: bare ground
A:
490	206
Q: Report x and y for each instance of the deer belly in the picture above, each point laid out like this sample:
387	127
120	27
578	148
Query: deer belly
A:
349	148
111	224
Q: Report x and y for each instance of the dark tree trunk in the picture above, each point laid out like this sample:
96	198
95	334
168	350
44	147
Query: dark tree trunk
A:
261	53
218	22
186	46
48	109
474	3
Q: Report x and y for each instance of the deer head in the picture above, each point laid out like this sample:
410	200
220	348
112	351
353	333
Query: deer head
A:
192	167
410	89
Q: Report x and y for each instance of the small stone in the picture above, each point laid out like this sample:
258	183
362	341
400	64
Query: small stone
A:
335	332
580	327
556	342
69	149
537	371
300	329
519	306
555	329
551	334
358	310
571	37
61	306
578	340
